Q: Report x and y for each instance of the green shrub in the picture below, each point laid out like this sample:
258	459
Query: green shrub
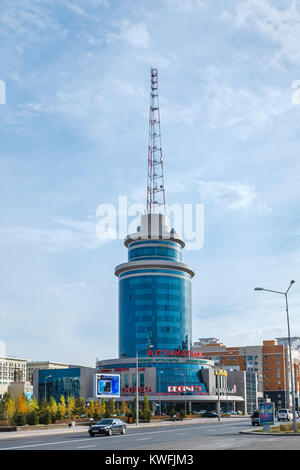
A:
32	418
45	416
286	427
19	419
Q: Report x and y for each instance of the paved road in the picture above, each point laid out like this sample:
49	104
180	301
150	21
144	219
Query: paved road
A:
210	435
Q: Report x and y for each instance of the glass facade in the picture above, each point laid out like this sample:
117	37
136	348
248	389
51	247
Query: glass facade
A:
154	303
57	382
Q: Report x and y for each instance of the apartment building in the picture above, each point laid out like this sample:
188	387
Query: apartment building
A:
270	361
12	369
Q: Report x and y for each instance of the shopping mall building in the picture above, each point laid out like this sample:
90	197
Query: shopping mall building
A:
155	326
155	336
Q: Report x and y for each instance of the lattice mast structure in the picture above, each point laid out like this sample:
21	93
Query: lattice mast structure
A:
156	202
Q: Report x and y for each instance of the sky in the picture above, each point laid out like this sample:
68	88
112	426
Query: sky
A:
74	135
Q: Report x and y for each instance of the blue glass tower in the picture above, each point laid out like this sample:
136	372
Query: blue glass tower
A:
154	291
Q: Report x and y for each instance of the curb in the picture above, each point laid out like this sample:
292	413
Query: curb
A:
255	433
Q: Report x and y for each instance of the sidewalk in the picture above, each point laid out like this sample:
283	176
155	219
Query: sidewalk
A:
78	429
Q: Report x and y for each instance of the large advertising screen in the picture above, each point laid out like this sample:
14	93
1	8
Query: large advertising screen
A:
107	385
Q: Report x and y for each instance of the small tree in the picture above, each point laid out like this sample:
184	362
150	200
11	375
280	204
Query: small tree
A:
32	417
33	405
61	408
9	406
45	415
19	419
146	410
53	409
79	406
97	413
102	408
92	409
71	405
111	408
21	405
123	408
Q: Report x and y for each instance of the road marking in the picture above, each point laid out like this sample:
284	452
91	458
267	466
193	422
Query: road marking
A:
85	447
111	437
144	439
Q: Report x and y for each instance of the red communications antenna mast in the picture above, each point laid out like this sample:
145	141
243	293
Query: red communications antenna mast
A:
155	187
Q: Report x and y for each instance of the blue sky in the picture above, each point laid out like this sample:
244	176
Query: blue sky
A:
74	133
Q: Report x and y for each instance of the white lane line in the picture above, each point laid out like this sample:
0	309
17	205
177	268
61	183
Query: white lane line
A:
144	439
111	437
85	447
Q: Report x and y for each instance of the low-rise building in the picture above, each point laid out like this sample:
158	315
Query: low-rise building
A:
43	365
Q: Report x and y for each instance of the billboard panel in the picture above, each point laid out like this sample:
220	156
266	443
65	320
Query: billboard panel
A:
107	385
266	414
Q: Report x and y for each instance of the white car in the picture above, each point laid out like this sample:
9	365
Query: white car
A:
285	415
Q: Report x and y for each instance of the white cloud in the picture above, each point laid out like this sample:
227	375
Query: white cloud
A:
77	236
220	104
280	25
186	6
135	34
228	195
75	8
68	288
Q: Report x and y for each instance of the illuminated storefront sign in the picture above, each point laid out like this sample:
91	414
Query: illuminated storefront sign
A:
187	388
133	390
174	352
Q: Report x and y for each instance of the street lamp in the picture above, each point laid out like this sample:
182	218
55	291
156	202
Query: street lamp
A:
290	349
184	393
45	383
161	372
137	381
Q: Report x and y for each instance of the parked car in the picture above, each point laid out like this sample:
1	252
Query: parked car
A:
230	412
255	418
201	412
210	414
108	427
285	414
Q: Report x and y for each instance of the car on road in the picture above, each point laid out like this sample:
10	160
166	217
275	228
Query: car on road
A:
255	418
201	412
285	414
210	414
108	427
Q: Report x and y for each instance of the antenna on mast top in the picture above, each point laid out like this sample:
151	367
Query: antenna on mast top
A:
155	185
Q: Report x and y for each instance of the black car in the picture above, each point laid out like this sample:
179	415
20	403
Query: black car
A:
255	418
108	427
210	414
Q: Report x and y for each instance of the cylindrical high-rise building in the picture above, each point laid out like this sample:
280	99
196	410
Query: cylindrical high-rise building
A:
155	319
154	291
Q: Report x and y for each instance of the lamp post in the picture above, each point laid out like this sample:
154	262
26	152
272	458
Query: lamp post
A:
45	383
218	384
184	393
161	372
137	381
290	349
